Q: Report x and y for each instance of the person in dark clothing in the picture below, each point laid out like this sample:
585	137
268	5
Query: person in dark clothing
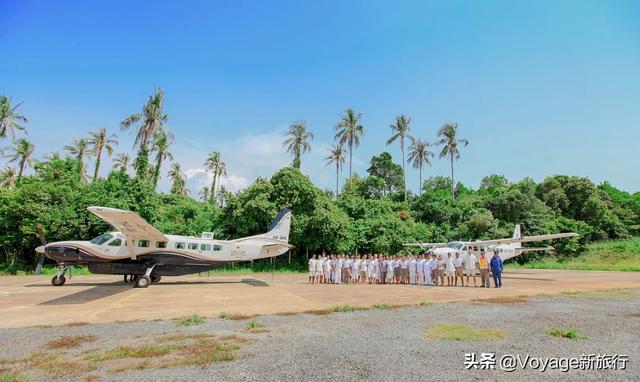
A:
496	269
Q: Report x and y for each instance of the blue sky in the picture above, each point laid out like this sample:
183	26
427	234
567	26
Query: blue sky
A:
539	87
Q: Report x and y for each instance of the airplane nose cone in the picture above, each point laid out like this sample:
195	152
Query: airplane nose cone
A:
40	249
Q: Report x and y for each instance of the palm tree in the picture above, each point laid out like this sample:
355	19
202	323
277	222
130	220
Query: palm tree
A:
337	156
80	149
205	193
22	154
400	131
54	155
223	195
8	178
121	162
161	147
178	180
348	131
420	156
101	141
150	121
10	119
450	142
215	165
297	141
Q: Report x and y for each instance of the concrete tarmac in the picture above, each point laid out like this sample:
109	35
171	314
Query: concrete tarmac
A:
33	301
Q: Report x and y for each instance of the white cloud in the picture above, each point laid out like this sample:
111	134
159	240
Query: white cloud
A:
248	157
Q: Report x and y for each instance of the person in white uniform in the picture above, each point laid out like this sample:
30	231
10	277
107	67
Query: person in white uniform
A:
312	269
355	268
376	269
338	275
319	270
420	268
327	270
389	270
412	269
470	267
450	269
427	271
363	270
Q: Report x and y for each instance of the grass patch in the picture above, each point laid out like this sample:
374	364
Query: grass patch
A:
203	353
142	351
346	308
502	299
194	319
461	332
318	312
13	376
382	306
68	342
181	337
608	294
254	324
233	316
566	333
57	365
425	303
612	255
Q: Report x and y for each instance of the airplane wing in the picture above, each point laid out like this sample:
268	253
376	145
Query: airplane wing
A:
525	239
423	245
129	223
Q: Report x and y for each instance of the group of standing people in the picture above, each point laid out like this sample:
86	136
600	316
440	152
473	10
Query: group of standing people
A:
424	270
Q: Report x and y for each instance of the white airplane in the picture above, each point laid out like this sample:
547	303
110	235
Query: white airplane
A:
143	254
507	248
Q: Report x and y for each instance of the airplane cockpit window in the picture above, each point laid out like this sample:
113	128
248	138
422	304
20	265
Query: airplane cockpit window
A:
143	243
179	245
217	247
115	243
455	245
102	239
205	247
161	244
193	246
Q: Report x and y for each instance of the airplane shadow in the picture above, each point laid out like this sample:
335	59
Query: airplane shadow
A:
111	289
88	295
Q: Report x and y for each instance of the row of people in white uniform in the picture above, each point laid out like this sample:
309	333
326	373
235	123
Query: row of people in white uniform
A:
379	269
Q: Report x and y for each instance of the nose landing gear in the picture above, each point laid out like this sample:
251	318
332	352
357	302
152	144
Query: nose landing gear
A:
59	279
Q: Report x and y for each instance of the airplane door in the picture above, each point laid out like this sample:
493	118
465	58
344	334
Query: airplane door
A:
115	247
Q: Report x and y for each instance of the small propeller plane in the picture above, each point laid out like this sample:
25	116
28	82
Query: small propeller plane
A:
143	254
507	248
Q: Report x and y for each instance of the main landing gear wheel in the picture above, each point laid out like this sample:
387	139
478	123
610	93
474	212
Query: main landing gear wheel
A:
58	280
133	278
126	278
156	278
143	282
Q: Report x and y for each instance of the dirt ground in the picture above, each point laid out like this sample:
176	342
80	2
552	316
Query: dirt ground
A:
32	300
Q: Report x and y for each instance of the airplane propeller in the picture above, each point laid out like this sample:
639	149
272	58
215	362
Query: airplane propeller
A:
43	241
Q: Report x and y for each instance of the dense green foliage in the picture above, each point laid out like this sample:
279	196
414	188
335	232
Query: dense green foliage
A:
368	216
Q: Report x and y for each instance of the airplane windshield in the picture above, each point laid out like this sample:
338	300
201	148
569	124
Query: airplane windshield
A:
455	245
102	239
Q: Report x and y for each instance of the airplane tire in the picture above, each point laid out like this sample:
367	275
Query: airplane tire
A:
143	282
58	280
133	278
156	278
126	278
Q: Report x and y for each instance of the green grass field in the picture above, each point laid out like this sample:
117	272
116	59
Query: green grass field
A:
615	255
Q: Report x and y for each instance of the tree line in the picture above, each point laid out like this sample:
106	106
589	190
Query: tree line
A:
373	212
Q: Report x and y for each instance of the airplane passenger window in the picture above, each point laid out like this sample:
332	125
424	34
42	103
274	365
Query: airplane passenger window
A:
102	239
193	246
143	243
217	247
205	247
115	243
179	245
161	244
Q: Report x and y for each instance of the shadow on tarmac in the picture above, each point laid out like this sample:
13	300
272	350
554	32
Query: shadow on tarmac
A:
105	290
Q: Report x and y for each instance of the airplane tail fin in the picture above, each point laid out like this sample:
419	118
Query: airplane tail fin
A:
280	226
517	235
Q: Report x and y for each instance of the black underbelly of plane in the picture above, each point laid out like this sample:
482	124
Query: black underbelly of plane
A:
165	263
